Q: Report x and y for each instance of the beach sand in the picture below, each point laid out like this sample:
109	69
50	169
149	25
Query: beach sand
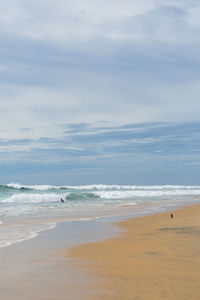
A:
157	257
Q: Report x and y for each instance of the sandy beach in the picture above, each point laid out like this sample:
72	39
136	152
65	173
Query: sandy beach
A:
156	257
151	257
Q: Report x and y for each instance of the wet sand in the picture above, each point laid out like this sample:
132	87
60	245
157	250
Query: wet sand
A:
34	269
157	257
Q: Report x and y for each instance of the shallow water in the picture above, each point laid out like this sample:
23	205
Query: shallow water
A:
36	269
26	211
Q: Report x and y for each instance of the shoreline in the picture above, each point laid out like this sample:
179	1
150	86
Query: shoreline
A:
155	258
41	267
36	225
34	269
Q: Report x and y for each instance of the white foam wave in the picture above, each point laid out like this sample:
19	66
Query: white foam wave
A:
33	198
11	234
111	194
33	187
101	187
144	193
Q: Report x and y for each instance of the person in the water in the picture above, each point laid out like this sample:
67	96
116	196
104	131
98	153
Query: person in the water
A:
61	200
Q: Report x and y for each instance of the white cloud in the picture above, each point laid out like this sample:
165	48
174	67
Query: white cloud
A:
74	23
39	93
66	20
41	108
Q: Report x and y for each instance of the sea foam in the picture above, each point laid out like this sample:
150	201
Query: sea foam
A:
11	234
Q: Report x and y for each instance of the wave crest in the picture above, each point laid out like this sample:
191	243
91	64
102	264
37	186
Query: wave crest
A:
33	198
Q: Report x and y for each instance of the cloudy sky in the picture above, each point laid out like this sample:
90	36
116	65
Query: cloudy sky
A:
100	91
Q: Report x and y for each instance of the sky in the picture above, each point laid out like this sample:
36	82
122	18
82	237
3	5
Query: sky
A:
100	92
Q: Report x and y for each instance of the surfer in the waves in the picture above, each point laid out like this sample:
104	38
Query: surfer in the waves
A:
61	200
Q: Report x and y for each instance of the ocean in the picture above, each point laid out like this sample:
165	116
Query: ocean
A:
26	210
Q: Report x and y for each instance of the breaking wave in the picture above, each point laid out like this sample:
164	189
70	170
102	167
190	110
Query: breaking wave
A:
46	194
100	187
32	198
83	202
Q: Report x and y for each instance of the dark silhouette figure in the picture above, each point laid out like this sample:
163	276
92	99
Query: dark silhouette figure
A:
62	200
172	216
